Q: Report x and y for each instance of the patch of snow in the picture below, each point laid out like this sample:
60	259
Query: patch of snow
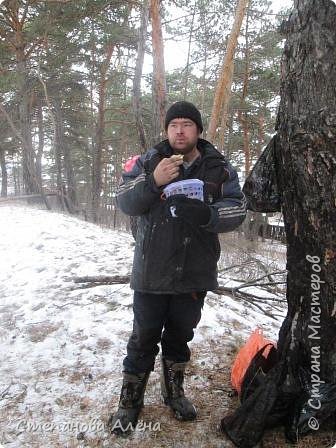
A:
61	343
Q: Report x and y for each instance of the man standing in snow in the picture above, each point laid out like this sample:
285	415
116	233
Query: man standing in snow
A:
175	259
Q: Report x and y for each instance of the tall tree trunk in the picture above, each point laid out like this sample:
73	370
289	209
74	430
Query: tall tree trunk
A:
4	178
65	171
261	132
228	148
39	153
246	141
242	114
222	129
70	178
138	74
223	89
191	32
307	177
57	153
100	129
57	120
93	64
16	168
305	376
29	171
13	33
159	78
204	83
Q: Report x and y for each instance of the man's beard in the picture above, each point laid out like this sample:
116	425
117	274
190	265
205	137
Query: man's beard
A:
188	148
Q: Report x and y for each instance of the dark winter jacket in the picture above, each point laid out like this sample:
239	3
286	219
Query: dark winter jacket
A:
171	255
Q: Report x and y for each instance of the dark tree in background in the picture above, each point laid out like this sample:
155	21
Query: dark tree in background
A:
304	379
159	77
137	105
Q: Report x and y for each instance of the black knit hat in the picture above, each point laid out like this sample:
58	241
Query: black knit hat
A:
184	109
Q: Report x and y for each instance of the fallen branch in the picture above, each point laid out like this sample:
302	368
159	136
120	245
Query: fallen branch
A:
238	265
266	275
103	279
254	299
4	392
250	298
248	285
92	281
237	289
98	280
124	279
13	398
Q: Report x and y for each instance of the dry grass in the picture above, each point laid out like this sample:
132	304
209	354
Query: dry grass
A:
103	343
37	333
208	386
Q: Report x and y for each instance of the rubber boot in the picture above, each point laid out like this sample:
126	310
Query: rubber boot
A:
172	390
130	403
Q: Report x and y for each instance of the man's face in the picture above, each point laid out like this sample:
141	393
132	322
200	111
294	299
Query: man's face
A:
182	134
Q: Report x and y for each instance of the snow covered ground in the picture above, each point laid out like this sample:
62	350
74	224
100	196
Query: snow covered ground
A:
61	345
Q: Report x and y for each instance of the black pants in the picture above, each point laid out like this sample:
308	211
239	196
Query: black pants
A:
169	319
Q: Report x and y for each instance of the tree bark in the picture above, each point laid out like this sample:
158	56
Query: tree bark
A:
204	83
28	165
223	89
39	153
56	120
16	170
137	76
3	173
242	114
100	129
58	153
261	133
307	178
186	76
70	178
159	78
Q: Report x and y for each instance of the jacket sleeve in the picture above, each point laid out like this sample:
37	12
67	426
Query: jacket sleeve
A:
229	210
137	191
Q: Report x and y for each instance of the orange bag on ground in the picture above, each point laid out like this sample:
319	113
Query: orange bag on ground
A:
255	342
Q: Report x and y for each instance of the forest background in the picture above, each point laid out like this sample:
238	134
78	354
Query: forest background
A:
83	87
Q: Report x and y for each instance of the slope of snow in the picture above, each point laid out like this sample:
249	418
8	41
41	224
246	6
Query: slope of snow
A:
62	344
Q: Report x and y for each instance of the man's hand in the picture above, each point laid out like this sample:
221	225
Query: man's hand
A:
191	210
167	170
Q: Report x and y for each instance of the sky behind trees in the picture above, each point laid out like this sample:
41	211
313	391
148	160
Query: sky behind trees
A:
176	52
